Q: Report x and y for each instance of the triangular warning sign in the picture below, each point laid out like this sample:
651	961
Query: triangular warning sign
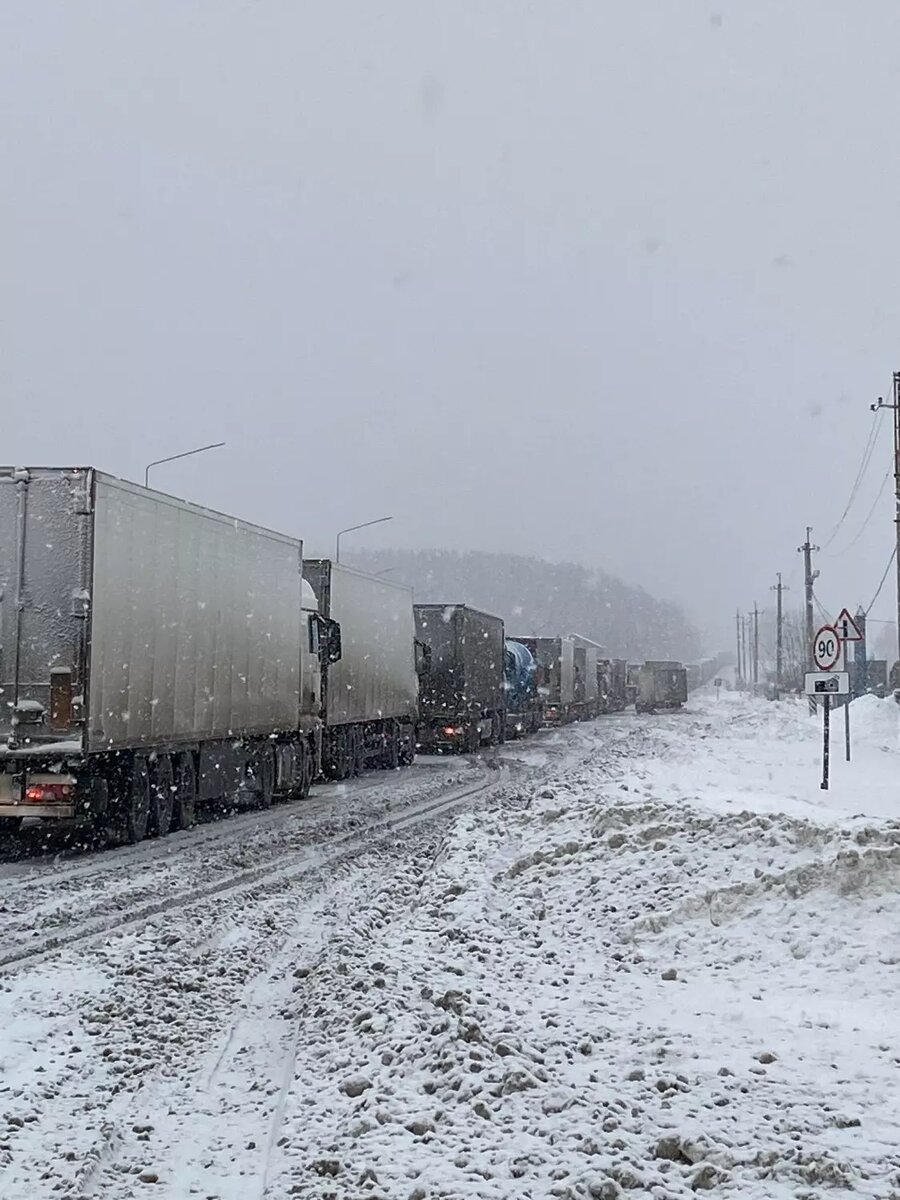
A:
848	630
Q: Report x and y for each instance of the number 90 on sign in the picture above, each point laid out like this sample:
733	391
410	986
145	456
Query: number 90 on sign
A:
826	648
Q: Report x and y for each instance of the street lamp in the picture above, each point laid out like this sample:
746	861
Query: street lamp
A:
350	529
172	457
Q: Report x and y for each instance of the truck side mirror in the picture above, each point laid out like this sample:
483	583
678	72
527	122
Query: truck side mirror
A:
333	642
423	658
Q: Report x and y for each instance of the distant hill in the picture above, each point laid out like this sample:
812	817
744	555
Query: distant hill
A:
540	598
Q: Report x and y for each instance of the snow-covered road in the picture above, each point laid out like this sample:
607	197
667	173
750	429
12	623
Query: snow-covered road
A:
649	957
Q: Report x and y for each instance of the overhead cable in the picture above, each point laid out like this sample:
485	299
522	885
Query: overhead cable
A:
860	474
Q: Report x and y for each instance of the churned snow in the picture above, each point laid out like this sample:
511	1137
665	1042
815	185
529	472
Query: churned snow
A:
655	959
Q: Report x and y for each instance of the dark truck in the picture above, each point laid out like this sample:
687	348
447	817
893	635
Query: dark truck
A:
661	684
461	703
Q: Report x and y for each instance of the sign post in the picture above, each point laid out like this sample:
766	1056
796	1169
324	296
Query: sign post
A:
849	631
827	653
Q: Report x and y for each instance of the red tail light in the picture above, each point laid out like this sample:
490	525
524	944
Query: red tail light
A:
44	793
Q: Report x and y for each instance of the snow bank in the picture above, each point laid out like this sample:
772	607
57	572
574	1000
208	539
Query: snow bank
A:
597	988
876	722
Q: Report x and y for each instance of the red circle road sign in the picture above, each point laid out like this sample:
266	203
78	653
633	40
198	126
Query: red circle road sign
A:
826	648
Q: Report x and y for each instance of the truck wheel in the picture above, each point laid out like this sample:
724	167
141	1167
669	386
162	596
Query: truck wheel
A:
162	797
185	792
391	759
306	772
10	824
136	802
264	769
357	753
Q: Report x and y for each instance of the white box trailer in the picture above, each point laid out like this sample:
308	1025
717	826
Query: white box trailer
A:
149	649
586	655
370	696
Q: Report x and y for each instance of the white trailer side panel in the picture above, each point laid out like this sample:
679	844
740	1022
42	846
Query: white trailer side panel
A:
376	676
195	625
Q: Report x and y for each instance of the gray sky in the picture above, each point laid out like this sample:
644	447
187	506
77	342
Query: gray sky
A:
606	281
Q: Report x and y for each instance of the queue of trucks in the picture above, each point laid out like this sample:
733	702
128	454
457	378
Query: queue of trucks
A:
156	655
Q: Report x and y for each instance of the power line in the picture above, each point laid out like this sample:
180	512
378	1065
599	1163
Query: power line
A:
869	516
883	578
863	467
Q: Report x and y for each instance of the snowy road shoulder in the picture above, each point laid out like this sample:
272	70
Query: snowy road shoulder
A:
610	978
603	990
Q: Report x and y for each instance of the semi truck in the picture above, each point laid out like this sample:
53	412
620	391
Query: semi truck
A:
586	655
661	685
524	710
612	676
370	695
462	696
555	658
153	654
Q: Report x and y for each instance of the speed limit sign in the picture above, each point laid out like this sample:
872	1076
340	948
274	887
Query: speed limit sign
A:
826	648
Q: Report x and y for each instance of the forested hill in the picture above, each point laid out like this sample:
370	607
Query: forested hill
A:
540	598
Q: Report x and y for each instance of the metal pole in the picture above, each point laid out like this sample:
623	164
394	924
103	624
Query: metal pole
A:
172	457
897	492
826	733
350	529
847	728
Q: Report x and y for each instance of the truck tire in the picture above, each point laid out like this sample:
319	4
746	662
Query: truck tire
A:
358	753
391	758
135	802
162	797
307	770
185	792
264	771
10	825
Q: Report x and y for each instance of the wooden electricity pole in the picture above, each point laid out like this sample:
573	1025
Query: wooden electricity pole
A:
778	589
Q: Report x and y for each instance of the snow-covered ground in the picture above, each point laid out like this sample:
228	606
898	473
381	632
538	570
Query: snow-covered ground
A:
652	958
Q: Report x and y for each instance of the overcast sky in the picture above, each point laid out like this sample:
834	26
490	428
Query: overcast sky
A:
603	281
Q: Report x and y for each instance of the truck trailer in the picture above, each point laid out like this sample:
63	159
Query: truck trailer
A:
370	696
586	701
612	676
555	658
661	685
524	710
153	654
462	697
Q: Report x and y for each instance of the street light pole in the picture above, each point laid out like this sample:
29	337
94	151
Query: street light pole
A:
172	457
350	529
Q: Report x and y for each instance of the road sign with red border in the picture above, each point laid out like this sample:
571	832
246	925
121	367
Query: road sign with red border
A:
847	628
827	648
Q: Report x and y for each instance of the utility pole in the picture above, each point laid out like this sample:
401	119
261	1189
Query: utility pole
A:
896	410
809	578
745	646
740	661
778	588
755	644
860	668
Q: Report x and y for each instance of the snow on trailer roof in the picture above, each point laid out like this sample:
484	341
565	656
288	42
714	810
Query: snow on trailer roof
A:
586	641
